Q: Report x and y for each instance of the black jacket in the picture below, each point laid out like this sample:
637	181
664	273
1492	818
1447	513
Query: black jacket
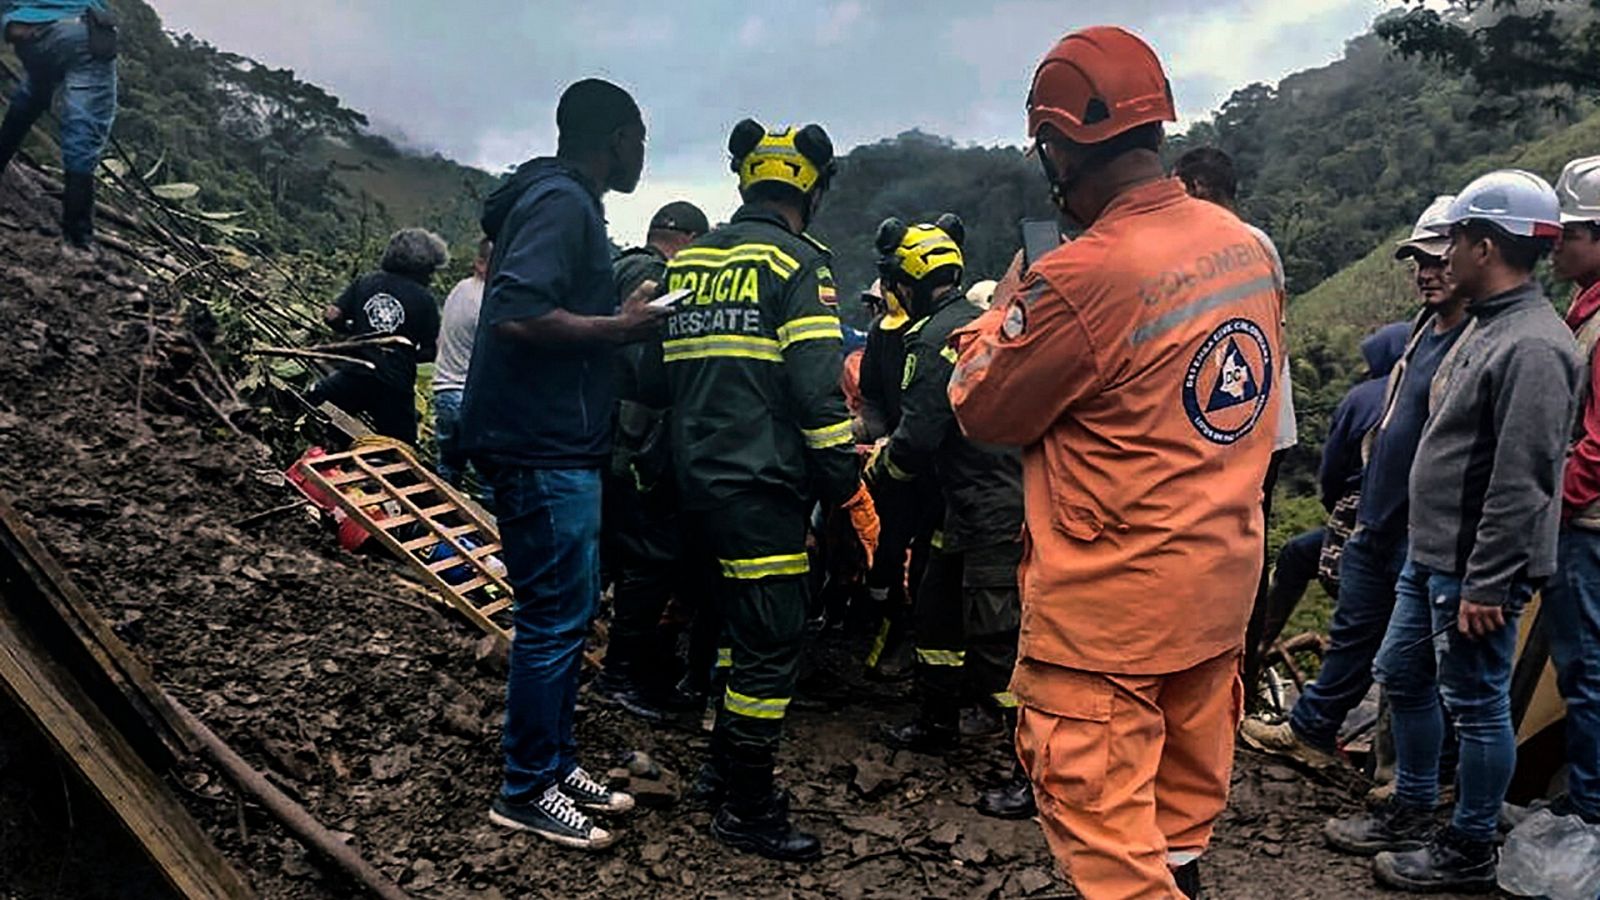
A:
982	485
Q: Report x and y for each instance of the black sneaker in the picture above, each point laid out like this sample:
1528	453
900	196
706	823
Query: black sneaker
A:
920	736
593	796
1392	826
1451	862
552	817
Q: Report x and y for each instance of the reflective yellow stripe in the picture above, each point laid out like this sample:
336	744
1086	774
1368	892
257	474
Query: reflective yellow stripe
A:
829	435
895	472
937	541
950	354
1005	699
724	657
721	345
941	657
809	328
754	707
778	261
766	566
878	643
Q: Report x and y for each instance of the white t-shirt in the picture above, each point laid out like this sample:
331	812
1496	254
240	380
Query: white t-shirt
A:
1288	429
457	330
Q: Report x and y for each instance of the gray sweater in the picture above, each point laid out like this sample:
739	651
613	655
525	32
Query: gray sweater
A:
1486	482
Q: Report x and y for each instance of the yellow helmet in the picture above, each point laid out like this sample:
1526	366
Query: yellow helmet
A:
801	158
921	254
878	300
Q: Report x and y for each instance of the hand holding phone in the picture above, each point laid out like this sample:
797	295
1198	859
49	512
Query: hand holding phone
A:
1039	236
667	301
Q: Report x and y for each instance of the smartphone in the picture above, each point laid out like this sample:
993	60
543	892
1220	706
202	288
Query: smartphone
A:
1039	236
673	299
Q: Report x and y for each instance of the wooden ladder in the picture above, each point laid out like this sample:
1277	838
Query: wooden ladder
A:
414	512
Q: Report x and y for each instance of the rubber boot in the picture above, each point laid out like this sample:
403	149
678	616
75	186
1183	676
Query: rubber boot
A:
1188	878
1012	800
755	817
77	211
936	730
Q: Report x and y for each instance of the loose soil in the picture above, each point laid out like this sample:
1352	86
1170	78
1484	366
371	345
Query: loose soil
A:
331	672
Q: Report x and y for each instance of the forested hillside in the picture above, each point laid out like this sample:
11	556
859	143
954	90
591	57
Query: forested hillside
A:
298	168
917	176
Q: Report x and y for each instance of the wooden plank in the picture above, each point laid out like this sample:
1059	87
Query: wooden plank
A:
497	606
119	682
87	740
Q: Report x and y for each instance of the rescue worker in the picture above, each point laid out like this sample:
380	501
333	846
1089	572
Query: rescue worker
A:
1572	598
760	434
909	512
1138	367
967	611
393	303
644	532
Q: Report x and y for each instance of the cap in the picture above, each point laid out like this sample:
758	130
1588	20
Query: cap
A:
680	215
1425	237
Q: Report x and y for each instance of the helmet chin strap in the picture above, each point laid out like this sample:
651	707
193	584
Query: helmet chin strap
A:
1060	185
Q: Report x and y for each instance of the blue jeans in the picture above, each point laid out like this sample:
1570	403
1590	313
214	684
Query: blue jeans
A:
1571	618
451	462
1368	571
1472	677
58	58
550	528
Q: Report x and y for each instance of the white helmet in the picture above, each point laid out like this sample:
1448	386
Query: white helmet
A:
1425	237
1519	202
1578	189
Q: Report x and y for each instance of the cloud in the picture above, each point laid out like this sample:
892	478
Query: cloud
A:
479	80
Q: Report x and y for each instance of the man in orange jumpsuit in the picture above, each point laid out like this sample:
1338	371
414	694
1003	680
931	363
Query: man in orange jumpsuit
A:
1138	367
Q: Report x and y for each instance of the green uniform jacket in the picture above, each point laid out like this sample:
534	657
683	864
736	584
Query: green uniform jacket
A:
753	361
640	450
982	485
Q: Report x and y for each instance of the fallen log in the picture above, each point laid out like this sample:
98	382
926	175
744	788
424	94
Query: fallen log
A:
292	815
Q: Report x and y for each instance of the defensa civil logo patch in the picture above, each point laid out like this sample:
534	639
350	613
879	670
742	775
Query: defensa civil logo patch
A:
1229	381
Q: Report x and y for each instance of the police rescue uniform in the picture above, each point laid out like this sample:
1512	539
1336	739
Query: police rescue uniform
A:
966	613
759	433
1137	367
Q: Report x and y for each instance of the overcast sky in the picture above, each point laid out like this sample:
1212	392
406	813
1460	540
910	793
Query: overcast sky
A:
478	79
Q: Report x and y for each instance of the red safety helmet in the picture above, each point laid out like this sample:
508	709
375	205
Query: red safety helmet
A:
1096	83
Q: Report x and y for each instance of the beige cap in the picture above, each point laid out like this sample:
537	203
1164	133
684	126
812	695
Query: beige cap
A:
1424	236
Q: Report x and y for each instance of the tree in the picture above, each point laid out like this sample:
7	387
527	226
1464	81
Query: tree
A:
1507	46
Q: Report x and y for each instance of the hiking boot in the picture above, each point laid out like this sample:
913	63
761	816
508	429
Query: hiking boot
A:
1012	800
710	787
1394	826
591	795
981	722
1280	740
553	817
765	829
1451	862
1188	878
921	735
